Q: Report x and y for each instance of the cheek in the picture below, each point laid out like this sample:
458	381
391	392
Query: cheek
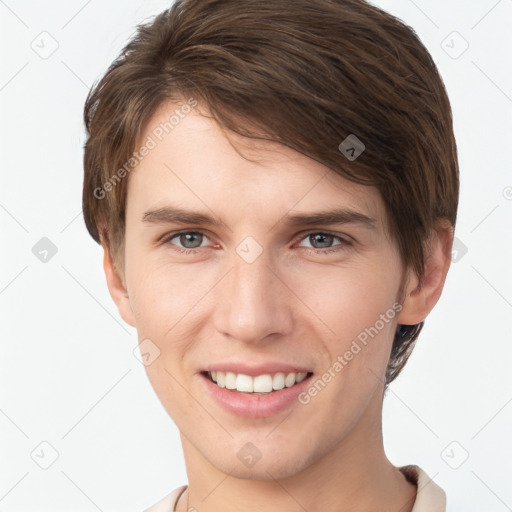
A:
164	301
161	294
359	306
169	303
350	299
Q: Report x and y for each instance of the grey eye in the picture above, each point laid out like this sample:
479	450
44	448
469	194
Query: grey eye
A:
190	240
323	239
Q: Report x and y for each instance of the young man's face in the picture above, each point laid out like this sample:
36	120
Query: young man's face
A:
260	291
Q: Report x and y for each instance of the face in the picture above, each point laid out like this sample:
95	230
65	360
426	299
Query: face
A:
259	289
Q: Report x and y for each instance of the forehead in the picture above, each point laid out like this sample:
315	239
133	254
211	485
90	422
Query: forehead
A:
194	161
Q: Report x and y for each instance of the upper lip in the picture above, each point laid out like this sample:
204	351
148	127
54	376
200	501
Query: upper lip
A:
253	370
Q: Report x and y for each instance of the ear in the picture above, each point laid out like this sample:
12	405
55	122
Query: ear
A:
421	297
117	287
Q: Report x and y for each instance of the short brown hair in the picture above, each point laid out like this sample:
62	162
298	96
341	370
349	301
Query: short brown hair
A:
304	73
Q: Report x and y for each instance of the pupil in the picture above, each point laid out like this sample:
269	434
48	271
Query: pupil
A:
185	239
322	236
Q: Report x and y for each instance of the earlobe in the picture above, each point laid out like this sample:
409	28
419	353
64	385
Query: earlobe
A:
117	288
420	297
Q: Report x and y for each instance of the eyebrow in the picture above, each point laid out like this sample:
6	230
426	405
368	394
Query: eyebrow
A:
168	215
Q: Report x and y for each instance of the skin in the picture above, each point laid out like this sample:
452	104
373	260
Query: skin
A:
290	304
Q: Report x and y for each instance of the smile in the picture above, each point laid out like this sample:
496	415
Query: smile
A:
259	384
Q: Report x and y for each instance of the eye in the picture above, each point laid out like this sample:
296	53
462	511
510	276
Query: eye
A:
322	242
190	240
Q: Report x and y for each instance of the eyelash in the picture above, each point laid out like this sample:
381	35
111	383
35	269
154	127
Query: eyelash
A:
344	242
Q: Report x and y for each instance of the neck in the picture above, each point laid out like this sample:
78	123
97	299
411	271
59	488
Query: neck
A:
353	475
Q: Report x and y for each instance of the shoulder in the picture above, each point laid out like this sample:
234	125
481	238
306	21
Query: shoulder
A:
167	503
429	496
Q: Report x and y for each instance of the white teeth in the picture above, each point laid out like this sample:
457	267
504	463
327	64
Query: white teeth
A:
262	384
300	377
290	380
230	380
259	384
278	381
244	383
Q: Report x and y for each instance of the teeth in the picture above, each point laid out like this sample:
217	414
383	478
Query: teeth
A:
230	380
289	380
245	383
259	384
278	381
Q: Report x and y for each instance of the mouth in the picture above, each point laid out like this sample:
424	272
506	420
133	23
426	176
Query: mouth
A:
259	385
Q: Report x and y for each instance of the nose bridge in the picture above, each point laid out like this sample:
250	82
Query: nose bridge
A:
252	298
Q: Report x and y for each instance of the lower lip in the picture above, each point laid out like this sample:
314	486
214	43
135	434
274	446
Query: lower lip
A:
253	405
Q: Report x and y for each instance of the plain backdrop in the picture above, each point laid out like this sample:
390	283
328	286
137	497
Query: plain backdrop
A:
80	426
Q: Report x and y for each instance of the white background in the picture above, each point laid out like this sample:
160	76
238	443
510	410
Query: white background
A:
68	376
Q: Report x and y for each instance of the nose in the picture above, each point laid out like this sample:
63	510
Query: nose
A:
253	301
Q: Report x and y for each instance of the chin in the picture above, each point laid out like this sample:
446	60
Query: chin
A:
272	464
